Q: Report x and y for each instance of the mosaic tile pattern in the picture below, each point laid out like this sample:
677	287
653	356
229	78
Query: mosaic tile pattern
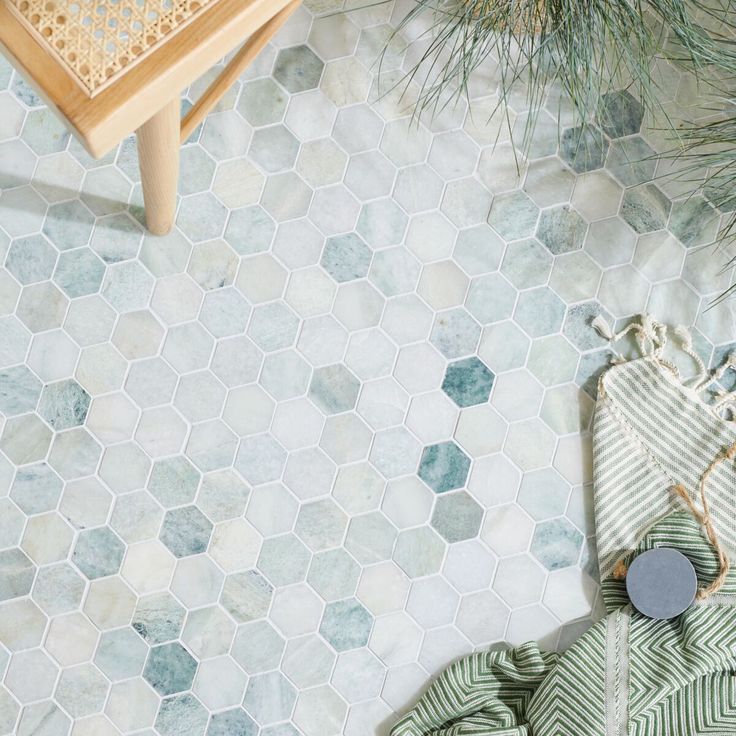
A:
268	474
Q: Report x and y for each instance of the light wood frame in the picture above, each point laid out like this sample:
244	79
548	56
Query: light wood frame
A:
133	102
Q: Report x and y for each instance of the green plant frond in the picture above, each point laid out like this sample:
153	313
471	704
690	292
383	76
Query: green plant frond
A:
589	47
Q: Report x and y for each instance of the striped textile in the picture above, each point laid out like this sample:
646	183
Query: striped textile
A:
628	675
651	433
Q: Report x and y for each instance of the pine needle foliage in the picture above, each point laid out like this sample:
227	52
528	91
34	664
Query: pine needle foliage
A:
711	146
585	47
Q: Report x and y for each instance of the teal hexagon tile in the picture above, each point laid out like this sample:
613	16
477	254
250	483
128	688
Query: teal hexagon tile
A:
211	446
201	217
262	102
308	661
419	552
358	675
225	312
173	481
181	714
98	552
82	691
273	326
286	196
269	698
490	298
333	574
197	581
694	221
260	459
44	716
213	265
645	208
468	382
186	531
44	132
136	516
583	148
543	494
15	340
16	574
556	544
257	646
115	238
478	250
519	580
346	624
334	389
394	271
527	263
370	538
321	524
346	257
539	311
320	711
64	404
444	467
455	333
577	328
31	259
79	272
246	595
610	242
369	175
158	618
621	114
561	229
513	215
169	669
233	722
22	211
36	488
298	69
284	560
209	632
381	223
20	390
121	654
631	160
274	148
553	360
197	170
11	523
457	517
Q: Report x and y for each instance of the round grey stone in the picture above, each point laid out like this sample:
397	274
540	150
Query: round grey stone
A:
661	583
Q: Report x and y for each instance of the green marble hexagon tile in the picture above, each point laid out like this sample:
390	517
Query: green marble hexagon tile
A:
268	474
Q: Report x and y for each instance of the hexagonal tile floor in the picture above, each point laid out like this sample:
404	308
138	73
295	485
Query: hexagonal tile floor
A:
268	474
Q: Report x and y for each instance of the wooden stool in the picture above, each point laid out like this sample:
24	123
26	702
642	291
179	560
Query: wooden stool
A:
111	68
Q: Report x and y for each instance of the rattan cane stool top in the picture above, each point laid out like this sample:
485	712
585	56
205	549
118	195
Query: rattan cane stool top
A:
97	39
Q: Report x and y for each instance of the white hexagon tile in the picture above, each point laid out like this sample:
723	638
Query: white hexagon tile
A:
270	473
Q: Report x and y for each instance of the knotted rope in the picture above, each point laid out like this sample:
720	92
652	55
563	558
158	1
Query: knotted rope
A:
704	518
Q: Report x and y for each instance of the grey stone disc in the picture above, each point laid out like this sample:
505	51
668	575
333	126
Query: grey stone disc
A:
661	583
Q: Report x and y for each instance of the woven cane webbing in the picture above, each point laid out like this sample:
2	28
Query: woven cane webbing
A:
97	39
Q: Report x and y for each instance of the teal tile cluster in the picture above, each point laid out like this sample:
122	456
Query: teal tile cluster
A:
468	382
268	474
98	552
170	669
444	467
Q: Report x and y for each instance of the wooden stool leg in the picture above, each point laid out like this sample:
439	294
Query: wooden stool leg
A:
158	157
